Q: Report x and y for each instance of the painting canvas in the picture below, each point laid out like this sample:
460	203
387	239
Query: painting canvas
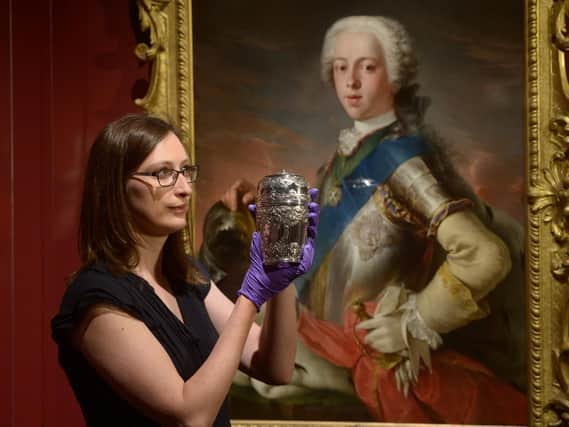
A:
261	107
260	102
242	81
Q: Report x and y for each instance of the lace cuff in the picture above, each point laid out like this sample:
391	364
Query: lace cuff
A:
419	339
413	323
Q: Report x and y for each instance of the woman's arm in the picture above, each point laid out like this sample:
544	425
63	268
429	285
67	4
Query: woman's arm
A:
124	352
270	350
273	363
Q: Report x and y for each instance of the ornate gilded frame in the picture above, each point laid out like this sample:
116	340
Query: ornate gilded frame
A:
169	51
170	93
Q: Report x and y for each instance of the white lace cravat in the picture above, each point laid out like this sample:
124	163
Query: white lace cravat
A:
349	138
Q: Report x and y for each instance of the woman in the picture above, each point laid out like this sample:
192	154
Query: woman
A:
138	326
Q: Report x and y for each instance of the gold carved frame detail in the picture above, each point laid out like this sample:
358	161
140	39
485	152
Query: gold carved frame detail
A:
548	225
169	25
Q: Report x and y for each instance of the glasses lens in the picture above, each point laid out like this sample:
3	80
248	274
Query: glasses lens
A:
167	177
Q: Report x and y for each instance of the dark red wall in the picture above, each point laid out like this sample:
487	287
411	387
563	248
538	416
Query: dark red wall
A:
67	67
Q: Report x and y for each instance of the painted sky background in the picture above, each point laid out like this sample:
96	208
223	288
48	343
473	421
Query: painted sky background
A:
261	106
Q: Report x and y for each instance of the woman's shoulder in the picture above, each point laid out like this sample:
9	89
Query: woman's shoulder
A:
96	284
92	274
96	277
93	285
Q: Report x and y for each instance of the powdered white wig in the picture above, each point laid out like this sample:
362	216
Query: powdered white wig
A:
397	48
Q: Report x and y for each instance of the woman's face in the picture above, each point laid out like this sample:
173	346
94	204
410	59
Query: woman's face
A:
157	210
360	75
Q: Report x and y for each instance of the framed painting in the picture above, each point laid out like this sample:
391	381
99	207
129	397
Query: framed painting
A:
243	81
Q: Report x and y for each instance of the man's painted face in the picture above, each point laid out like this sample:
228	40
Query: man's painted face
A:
360	76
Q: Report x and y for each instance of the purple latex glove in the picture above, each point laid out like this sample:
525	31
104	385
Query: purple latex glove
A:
262	282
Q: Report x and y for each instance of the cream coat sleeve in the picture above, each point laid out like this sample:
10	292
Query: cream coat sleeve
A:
476	259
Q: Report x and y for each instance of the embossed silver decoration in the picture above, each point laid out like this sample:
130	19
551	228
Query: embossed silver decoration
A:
282	216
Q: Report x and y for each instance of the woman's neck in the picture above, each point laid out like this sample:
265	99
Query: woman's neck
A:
150	259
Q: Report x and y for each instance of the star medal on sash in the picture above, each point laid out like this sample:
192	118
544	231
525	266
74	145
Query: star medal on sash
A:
334	195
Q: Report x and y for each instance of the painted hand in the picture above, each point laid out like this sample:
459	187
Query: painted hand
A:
241	193
385	332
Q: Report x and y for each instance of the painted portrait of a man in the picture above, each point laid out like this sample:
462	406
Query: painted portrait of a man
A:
409	120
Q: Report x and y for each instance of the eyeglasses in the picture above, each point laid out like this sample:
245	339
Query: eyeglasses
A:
167	177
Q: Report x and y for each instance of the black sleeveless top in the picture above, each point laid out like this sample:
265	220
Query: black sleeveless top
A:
188	344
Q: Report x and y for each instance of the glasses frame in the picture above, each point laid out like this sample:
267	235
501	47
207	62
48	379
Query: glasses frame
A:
194	169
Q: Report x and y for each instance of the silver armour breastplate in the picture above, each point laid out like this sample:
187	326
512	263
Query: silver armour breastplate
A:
364	260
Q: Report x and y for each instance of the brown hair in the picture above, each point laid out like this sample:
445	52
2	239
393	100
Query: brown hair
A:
105	227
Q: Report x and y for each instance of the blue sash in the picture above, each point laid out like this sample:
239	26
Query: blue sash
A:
356	189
